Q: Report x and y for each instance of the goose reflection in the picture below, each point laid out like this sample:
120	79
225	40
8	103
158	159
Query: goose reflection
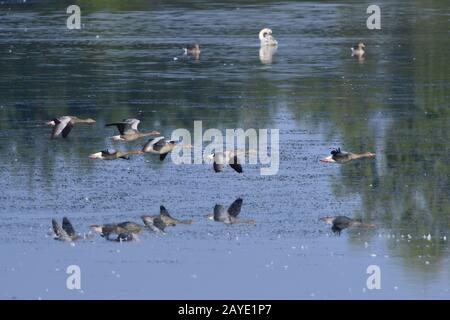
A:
229	216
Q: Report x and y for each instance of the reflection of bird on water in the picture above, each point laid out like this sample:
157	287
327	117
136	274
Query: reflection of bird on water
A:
266	38
341	156
128	129
229	216
339	223
266	53
63	125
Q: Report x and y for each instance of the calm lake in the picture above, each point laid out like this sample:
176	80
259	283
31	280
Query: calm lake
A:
127	61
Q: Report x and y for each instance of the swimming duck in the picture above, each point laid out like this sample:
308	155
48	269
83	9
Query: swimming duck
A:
231	215
193	49
339	156
266	38
339	223
159	146
358	50
111	154
66	232
65	124
128	129
124	230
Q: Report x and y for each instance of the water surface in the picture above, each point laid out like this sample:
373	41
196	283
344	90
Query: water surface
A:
127	61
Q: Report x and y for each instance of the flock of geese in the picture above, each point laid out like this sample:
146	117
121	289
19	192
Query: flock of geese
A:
128	131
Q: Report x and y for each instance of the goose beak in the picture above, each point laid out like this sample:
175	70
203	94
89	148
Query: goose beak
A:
94	156
210	157
50	123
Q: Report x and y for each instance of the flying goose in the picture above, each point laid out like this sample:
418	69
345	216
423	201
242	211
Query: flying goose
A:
230	216
66	232
266	38
221	159
358	50
111	154
339	156
125	230
154	223
339	223
65	124
128	129
162	220
159	145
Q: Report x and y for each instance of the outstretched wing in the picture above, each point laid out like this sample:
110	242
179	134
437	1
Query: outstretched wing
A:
127	126
154	144
67	226
234	163
162	156
67	129
163	212
60	125
220	214
218	164
60	233
235	208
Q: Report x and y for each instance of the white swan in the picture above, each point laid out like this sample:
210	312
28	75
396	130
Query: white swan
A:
266	38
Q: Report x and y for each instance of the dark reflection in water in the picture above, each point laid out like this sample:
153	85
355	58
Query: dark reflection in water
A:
127	62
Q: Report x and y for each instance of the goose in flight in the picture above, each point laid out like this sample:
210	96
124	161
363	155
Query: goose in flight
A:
111	154
230	216
66	232
266	38
358	50
338	156
125	231
162	220
221	159
128	129
339	223
63	125
161	146
154	223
